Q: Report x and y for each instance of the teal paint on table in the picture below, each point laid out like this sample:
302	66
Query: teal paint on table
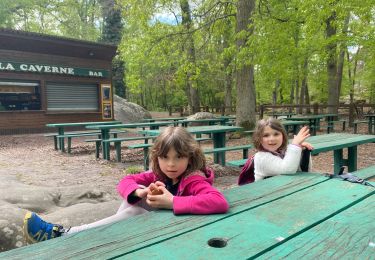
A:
337	143
61	128
260	215
106	128
371	123
218	136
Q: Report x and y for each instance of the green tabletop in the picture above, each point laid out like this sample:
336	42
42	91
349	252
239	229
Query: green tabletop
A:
83	123
210	121
302	216
337	143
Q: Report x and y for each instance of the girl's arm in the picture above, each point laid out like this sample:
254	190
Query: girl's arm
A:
267	164
204	199
130	183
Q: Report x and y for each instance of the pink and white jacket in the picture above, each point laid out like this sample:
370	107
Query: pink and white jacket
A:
195	194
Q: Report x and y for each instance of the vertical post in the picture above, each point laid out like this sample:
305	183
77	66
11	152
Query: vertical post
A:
316	108
338	160
261	111
351	114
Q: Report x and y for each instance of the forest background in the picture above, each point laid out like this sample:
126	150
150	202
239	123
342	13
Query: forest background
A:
208	53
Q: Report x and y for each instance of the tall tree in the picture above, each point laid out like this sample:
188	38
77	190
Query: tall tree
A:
112	33
245	85
191	87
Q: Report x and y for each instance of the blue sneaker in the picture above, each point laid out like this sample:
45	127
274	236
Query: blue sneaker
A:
36	229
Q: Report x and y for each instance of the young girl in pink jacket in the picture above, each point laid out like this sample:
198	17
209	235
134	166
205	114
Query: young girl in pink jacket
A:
179	180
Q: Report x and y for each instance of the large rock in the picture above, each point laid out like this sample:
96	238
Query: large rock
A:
128	112
69	206
201	115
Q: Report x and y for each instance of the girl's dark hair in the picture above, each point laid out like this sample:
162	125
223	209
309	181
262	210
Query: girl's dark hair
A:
274	124
183	143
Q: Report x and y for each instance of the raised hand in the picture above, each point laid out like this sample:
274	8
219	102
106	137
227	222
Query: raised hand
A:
301	136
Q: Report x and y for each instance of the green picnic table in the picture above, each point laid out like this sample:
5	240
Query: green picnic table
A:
106	128
371	123
218	133
314	121
209	121
302	216
278	114
295	125
61	128
337	143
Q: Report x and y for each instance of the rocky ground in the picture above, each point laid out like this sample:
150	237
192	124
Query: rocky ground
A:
66	188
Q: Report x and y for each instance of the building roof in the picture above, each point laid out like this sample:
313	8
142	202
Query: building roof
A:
55	45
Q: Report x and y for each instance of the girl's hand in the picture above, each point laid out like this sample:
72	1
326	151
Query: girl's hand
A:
141	192
307	146
163	201
301	136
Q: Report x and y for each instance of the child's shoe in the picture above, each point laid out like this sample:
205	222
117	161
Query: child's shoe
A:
36	229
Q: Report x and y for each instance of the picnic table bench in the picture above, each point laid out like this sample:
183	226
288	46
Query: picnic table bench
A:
244	148
104	129
61	130
302	216
370	122
218	133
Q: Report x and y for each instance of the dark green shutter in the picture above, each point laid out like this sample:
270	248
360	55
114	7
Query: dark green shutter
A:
73	97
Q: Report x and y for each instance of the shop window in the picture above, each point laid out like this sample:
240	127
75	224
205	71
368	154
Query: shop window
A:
72	97
19	95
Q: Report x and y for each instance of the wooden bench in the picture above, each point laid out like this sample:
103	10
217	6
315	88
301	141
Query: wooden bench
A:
201	139
145	148
71	135
244	148
249	132
54	135
237	163
343	122
357	122
117	142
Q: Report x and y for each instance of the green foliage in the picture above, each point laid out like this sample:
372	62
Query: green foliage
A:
153	45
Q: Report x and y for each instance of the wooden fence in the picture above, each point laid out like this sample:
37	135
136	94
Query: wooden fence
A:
349	111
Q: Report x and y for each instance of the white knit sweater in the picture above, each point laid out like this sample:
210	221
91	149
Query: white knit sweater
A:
267	164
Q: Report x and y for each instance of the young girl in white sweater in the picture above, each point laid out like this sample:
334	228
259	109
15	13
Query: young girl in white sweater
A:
275	156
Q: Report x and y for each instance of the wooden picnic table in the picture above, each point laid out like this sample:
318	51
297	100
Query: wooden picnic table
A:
106	128
302	216
61	128
293	124
314	121
371	123
209	121
278	114
163	119
218	133
337	143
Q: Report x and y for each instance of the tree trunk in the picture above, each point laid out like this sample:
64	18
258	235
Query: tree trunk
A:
190	51
228	79
246	103
304	92
333	92
342	57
